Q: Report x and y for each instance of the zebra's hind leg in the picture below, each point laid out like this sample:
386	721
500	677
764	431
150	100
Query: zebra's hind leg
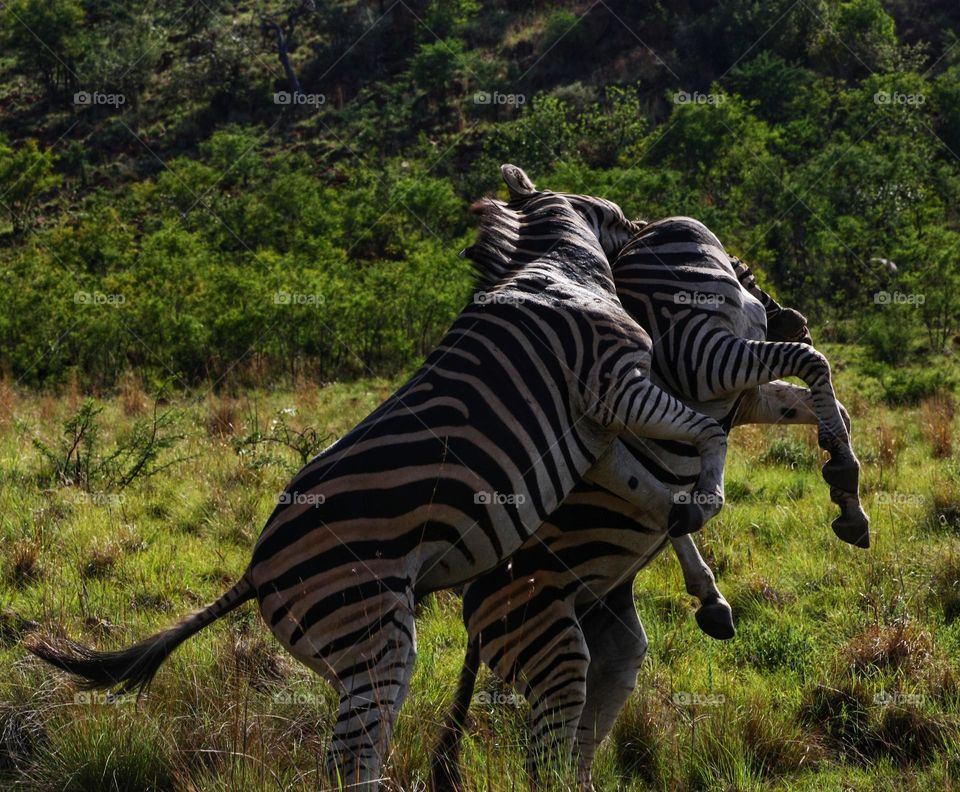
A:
617	645
372	690
555	683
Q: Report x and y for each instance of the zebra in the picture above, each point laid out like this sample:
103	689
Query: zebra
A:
709	334
558	620
526	620
526	395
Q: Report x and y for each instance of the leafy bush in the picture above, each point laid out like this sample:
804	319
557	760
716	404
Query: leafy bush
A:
911	386
78	458
305	443
887	342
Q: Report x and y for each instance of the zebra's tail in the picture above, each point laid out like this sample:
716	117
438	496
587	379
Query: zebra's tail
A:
133	668
445	769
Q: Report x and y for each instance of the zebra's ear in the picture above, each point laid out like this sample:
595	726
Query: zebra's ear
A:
517	181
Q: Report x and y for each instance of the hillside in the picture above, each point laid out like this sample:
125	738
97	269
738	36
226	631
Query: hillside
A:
177	221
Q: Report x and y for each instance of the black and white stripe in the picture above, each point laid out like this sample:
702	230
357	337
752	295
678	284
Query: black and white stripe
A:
710	345
527	393
558	621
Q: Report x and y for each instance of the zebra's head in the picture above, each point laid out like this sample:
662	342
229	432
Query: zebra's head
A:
606	220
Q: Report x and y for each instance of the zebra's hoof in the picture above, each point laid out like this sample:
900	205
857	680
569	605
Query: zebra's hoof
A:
684	518
716	620
853	527
842	474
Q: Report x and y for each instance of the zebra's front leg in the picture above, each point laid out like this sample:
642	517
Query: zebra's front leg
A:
642	409
617	645
714	616
750	364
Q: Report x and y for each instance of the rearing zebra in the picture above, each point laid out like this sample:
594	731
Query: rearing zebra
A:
710	345
525	395
557	620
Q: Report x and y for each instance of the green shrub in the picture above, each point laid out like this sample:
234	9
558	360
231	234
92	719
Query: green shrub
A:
911	386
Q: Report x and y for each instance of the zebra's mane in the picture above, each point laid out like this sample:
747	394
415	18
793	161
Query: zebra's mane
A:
498	253
497	238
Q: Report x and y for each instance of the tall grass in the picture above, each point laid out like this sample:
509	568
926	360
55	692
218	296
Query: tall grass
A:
843	674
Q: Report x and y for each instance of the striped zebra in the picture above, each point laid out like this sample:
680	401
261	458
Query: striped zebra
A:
558	620
525	396
710	345
527	620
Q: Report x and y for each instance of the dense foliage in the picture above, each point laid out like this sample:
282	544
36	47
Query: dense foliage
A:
165	209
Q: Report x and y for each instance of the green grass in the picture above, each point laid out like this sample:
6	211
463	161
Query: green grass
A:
843	674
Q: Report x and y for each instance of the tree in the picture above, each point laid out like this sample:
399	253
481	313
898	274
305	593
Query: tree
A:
25	174
47	38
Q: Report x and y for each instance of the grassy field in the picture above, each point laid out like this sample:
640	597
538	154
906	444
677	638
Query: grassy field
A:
843	674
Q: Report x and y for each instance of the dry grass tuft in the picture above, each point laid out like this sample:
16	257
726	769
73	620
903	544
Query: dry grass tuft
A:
896	647
909	735
8	399
936	424
21	734
133	398
258	660
643	735
223	416
945	587
841	712
776	744
23	566
101	561
889	442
